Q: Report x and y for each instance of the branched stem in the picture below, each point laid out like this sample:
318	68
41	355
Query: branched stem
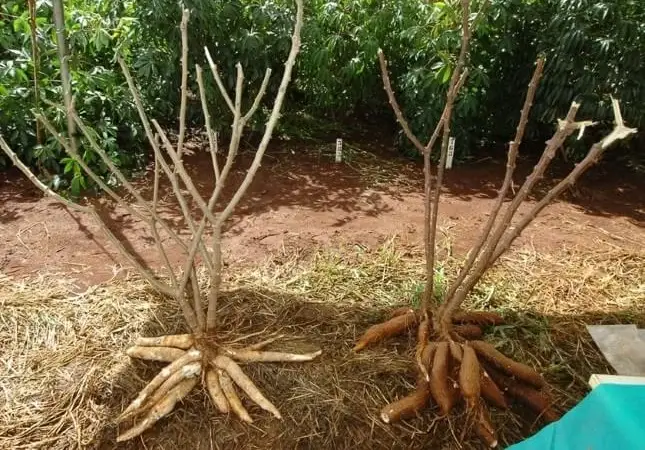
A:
183	26
434	209
186	290
495	245
508	178
596	152
268	131
457	81
451	304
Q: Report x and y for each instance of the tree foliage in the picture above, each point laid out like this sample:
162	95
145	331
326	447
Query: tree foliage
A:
101	99
592	48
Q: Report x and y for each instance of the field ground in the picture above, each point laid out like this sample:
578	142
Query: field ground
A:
317	251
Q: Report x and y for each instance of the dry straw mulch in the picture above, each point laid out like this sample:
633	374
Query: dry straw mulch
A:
64	375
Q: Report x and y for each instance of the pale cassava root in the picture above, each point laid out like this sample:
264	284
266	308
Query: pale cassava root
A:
197	356
215	391
162	354
183	341
214	365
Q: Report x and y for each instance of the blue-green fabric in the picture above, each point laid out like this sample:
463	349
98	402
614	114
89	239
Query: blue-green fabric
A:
610	417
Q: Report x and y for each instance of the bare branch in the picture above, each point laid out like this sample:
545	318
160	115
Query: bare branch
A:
395	105
179	168
183	26
596	152
153	225
65	143
154	219
156	284
508	177
434	209
399	115
259	96
239	89
439	126
181	171
273	119
553	144
212	137
196	244
218	80
153	142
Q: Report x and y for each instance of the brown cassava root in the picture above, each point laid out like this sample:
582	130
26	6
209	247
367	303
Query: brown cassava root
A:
410	405
456	371
396	325
452	362
218	370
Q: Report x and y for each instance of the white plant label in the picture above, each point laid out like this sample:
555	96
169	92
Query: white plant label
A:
451	152
339	150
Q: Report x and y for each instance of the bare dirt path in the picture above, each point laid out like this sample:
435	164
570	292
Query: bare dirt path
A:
303	199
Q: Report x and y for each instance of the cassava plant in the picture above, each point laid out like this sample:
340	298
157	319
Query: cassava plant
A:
452	362
197	356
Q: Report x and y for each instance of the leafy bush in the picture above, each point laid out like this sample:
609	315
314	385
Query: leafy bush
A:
593	49
255	33
102	99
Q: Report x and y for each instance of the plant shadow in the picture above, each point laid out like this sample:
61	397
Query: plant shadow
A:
335	400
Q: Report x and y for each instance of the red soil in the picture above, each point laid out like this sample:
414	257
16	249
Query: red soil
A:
302	198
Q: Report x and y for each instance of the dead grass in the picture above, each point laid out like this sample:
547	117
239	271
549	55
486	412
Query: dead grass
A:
64	374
